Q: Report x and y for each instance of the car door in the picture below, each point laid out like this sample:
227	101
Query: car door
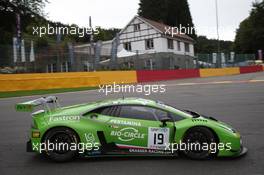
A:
98	126
138	129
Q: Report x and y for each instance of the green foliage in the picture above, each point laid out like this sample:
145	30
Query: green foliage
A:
205	45
31	16
170	12
30	12
106	34
250	35
34	7
154	9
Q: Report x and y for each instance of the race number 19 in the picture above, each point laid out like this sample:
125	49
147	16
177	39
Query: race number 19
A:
158	137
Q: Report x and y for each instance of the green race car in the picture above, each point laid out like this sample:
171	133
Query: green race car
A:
126	127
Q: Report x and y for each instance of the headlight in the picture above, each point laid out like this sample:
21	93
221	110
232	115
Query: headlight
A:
32	124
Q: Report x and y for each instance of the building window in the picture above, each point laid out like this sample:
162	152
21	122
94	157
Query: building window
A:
149	44
136	27
170	44
187	47
179	45
127	46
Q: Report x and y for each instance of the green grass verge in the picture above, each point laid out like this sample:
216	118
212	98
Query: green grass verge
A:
41	92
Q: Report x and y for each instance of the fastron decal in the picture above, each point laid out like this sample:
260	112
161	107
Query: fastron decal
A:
64	118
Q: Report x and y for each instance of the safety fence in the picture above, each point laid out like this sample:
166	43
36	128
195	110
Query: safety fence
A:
41	81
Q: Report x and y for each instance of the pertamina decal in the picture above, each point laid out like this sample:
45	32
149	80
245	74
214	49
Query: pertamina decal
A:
125	122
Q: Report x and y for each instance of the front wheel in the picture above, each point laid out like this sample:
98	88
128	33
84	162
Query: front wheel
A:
200	143
59	143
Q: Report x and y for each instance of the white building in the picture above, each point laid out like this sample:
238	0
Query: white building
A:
148	36
153	47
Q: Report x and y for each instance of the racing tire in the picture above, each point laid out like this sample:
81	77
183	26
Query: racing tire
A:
61	138
202	136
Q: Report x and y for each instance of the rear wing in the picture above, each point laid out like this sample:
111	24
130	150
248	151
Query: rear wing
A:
43	101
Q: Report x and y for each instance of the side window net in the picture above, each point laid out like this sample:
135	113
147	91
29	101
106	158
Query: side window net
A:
108	111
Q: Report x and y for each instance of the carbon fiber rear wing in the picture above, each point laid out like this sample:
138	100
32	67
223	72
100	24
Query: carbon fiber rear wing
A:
43	101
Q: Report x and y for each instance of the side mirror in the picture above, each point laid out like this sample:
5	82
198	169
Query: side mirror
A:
164	121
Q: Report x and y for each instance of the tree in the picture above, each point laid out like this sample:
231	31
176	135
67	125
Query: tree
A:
250	34
205	45
106	34
156	10
34	7
170	12
30	11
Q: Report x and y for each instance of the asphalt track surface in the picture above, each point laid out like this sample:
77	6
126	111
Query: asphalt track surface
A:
237	100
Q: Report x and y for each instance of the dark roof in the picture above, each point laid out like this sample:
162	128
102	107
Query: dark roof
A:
162	27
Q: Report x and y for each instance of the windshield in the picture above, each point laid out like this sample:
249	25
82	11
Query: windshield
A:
184	113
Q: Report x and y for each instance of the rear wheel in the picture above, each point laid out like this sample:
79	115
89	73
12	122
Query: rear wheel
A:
200	143
59	142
